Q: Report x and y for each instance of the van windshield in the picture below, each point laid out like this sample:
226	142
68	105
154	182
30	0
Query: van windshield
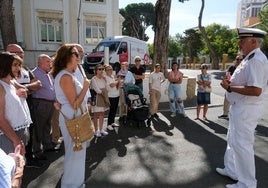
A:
112	46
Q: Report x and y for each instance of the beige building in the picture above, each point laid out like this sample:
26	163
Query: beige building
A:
42	26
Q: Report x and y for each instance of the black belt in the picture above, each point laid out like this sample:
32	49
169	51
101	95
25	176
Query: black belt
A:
174	82
46	100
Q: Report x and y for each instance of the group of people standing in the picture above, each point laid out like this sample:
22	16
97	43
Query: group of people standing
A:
58	85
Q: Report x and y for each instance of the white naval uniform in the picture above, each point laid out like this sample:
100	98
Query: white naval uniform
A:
244	115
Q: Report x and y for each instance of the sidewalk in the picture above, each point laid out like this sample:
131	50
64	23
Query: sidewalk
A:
173	152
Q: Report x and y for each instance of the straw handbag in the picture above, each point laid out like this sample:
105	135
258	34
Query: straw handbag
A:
79	128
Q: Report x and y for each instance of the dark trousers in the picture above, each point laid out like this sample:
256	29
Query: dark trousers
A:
113	108
42	124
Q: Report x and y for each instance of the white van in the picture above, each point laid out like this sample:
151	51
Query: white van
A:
121	49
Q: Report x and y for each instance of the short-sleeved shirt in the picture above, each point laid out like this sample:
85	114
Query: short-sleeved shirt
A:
155	79
137	71
201	77
252	71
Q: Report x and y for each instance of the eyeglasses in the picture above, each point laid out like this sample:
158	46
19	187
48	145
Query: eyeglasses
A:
18	52
76	54
239	59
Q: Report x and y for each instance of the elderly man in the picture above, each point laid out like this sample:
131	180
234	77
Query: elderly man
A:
229	73
245	91
43	102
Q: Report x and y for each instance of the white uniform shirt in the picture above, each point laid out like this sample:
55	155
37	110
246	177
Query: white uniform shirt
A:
252	71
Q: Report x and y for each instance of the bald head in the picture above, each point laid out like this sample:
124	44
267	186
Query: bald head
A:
16	49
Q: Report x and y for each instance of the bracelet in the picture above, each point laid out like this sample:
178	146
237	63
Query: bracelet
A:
229	89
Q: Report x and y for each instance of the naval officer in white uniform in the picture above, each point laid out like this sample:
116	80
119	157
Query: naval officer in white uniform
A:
245	93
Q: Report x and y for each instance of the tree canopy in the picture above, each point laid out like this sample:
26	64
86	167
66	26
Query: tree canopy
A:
138	17
264	26
222	39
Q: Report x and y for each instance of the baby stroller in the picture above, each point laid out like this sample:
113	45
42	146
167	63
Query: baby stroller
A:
138	110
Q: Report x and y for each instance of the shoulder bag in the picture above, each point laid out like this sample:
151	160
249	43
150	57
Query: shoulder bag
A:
207	88
79	128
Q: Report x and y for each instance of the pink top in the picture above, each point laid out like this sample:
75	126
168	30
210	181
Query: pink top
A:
178	75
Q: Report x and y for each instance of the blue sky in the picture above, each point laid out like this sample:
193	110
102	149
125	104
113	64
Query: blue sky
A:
185	15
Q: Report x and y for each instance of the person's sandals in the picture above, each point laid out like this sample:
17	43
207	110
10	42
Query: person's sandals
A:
205	118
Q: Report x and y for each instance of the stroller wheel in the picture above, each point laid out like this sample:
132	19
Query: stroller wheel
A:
148	123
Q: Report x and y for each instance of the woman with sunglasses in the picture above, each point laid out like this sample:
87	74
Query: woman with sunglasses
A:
203	96
113	94
70	93
98	83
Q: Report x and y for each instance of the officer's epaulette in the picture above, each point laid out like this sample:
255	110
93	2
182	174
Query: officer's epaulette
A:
251	56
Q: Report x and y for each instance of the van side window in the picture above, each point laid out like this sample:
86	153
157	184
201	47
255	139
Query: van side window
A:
123	48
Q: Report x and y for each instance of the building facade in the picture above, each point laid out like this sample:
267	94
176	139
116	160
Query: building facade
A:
43	26
248	11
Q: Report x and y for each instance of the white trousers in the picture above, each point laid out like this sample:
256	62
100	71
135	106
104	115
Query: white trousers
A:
74	162
239	156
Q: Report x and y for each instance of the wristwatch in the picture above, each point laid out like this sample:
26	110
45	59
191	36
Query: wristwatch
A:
229	89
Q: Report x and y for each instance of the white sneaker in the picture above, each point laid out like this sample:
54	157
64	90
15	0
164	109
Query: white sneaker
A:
98	134
115	125
223	172
104	133
232	185
173	114
110	127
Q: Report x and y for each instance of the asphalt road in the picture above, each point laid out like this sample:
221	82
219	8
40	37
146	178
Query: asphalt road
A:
173	152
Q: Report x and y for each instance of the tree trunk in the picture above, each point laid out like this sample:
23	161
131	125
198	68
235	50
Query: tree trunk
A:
7	25
162	10
213	54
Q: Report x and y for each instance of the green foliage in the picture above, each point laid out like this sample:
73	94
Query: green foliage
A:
222	39
191	43
264	26
174	47
151	50
138	17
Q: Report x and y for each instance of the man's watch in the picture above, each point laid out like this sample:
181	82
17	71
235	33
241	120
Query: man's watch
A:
229	89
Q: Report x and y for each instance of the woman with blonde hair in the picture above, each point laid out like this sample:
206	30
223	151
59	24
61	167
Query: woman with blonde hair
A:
113	94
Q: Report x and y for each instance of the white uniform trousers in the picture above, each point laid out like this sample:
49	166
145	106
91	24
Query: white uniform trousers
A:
74	162
239	156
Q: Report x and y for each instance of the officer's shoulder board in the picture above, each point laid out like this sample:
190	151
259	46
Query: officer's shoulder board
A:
251	56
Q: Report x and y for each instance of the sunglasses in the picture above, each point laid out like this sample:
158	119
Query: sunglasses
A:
137	60
75	53
239	59
100	69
